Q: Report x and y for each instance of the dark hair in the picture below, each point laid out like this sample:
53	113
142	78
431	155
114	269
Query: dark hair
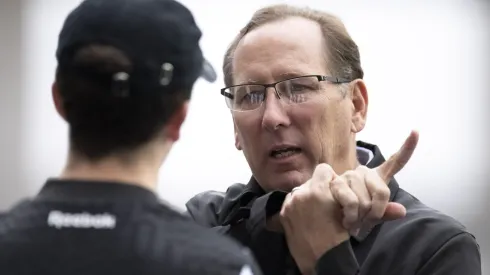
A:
101	123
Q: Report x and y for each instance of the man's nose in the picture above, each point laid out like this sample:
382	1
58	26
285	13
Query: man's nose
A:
275	115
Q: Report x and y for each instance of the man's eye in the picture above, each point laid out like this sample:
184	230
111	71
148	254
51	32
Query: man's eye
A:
299	87
303	86
254	97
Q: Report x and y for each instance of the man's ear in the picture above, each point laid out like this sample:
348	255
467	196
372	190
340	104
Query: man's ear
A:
237	141
174	124
57	100
360	105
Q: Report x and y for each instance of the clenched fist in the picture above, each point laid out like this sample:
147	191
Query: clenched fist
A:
311	219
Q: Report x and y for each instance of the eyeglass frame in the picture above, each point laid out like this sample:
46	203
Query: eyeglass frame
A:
320	78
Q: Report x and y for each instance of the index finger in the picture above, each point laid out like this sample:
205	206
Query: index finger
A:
398	160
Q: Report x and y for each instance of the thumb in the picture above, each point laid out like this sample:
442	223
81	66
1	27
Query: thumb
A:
394	211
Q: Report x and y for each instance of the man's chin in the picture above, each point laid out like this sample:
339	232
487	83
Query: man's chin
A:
288	180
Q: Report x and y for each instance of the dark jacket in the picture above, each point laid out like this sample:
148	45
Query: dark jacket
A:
424	242
75	227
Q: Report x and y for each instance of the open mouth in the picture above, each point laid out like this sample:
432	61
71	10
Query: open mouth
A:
284	152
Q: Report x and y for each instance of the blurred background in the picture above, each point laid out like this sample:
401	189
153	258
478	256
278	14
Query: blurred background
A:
426	65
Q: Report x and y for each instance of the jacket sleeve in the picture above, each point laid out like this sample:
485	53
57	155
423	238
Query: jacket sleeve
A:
459	255
339	260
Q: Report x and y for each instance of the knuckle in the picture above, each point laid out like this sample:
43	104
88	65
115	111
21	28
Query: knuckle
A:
358	176
351	202
323	171
299	197
308	196
365	206
350	177
372	178
296	199
381	195
336	184
324	167
383	192
286	209
380	188
349	174
363	169
355	178
283	216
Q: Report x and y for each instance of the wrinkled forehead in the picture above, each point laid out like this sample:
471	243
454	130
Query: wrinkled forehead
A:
280	50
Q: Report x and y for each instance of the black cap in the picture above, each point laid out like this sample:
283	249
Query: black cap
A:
160	37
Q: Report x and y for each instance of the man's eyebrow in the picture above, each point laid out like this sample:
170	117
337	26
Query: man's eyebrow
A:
282	76
292	74
249	81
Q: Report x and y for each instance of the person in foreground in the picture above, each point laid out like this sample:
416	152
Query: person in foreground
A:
126	69
318	201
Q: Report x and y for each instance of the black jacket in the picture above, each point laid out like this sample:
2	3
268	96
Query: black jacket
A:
424	242
75	227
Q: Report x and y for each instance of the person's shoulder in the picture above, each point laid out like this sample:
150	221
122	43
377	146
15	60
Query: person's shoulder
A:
23	215
182	228
207	199
216	197
424	238
431	227
421	213
16	213
209	252
209	208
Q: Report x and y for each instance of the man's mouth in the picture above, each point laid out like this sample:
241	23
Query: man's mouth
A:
284	152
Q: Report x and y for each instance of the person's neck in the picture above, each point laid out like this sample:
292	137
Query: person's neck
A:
141	171
349	162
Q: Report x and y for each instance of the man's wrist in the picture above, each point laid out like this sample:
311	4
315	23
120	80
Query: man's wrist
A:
323	245
339	260
320	247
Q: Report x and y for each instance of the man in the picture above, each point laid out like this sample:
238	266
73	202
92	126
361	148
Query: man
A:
318	203
125	73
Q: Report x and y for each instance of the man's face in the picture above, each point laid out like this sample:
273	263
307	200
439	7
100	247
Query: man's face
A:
312	132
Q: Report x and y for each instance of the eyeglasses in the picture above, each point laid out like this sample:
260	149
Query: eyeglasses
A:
296	90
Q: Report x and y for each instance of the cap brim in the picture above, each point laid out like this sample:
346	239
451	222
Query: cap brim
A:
208	72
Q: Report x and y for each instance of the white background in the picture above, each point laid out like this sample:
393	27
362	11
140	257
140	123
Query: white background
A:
426	67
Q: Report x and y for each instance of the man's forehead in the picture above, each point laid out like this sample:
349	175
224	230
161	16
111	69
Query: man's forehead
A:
291	26
268	72
272	52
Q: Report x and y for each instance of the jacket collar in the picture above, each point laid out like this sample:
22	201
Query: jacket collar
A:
70	190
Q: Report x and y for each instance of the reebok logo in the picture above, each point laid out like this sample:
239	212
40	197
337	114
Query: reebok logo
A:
82	220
